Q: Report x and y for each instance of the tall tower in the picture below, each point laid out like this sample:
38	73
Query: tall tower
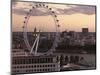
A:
35	30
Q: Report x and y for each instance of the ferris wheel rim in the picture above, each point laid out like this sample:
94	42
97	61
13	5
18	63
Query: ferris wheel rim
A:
52	13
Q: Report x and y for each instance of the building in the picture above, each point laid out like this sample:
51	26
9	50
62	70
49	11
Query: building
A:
18	52
34	64
85	30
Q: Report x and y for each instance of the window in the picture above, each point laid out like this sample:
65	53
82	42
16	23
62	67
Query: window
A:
14	67
35	70
40	65
26	66
50	65
53	65
17	66
20	66
45	65
34	65
23	66
17	71
48	69
45	69
37	65
40	69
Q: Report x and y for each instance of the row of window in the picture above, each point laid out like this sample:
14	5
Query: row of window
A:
35	70
31	61
34	66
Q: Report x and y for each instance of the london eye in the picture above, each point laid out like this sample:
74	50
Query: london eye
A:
33	48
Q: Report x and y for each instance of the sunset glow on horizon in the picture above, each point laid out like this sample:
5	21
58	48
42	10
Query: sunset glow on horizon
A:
71	17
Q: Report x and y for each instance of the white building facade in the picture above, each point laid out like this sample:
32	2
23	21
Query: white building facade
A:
22	64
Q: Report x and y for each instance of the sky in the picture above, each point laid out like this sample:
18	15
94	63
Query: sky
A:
71	17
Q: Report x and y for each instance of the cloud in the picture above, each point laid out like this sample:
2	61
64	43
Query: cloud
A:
89	10
70	9
14	3
24	11
19	11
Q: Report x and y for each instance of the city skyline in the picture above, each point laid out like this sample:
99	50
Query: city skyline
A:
50	37
71	17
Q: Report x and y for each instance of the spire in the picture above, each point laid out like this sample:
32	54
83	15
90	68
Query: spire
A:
35	29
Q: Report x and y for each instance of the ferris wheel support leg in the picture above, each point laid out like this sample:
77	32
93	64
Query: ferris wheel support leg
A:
37	44
33	45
